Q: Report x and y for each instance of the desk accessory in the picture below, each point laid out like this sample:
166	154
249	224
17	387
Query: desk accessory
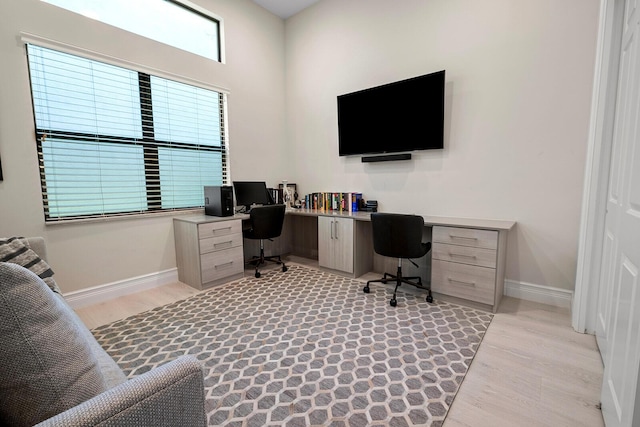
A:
370	206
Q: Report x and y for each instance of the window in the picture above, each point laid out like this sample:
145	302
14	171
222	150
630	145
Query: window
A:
114	141
176	23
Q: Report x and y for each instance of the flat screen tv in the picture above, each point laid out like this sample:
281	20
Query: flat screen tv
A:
403	116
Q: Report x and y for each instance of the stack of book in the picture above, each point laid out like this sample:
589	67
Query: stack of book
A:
334	201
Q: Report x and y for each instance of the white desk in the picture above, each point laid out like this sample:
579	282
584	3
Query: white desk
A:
466	264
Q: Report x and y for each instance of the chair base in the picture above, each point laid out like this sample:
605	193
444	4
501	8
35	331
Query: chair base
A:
399	279
257	261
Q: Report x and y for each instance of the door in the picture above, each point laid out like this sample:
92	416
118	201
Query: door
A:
343	244
325	241
618	72
618	327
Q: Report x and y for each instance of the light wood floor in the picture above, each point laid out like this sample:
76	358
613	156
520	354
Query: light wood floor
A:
532	368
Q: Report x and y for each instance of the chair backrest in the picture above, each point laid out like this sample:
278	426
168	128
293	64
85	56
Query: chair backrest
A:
266	221
398	235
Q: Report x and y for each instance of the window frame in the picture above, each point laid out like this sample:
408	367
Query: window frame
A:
184	4
205	14
148	142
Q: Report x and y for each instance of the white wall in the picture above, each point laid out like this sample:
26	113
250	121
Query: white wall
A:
90	254
519	77
518	93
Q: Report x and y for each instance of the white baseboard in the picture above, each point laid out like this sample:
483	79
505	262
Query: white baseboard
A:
543	294
528	291
120	288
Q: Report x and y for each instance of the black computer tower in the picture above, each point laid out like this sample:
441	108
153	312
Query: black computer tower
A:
218	200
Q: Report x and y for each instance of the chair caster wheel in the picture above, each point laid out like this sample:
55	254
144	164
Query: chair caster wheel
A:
257	274
393	302
366	290
284	268
429	299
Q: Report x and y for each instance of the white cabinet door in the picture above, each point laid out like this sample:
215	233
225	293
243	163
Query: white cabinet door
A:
343	244
325	241
335	243
618	329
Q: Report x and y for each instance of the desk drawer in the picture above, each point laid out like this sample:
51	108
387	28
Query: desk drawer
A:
463	281
220	264
219	228
464	254
219	243
466	237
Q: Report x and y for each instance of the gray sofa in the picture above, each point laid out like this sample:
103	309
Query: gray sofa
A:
54	373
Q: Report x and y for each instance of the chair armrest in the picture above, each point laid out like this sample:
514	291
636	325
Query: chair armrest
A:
170	395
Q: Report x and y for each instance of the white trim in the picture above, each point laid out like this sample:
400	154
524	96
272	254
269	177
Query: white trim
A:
109	291
538	293
35	39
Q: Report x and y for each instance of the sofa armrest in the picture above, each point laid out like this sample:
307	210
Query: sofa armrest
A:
170	395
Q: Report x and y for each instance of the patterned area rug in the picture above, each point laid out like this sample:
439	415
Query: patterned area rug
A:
306	348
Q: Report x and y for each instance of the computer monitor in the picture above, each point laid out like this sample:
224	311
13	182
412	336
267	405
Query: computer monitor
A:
251	193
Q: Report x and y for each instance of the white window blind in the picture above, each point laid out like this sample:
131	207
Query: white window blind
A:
114	141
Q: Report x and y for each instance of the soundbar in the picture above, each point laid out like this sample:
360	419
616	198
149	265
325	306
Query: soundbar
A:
386	158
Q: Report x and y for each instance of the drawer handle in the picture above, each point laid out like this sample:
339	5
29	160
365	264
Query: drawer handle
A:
223	243
453	236
334	230
215	230
452	254
223	265
462	282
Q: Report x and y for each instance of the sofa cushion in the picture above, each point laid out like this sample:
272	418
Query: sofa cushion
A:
46	366
16	250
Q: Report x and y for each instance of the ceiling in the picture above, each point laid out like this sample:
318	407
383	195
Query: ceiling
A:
285	8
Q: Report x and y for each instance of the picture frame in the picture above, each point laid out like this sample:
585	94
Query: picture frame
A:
290	194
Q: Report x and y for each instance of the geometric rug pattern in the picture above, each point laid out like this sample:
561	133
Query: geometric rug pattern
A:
309	348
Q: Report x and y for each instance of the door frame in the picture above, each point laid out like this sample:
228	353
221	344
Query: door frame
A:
592	219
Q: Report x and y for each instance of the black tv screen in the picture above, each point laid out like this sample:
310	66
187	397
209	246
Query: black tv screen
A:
403	116
251	192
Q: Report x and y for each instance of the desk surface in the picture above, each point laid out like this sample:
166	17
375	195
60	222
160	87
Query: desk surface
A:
488	224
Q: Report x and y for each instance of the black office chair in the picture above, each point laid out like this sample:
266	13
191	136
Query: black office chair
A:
265	222
399	236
